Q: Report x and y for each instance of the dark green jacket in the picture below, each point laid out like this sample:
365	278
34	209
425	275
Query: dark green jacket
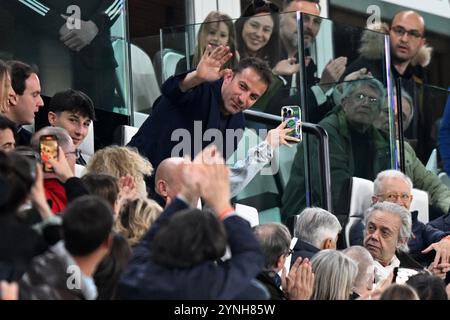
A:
342	168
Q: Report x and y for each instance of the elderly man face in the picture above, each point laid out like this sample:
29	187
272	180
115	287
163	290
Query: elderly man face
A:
381	236
396	190
361	107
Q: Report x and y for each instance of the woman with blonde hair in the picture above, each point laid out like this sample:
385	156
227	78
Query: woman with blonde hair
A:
334	273
120	162
6	89
217	29
135	218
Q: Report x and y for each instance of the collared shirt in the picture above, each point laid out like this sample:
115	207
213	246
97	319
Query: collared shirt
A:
382	272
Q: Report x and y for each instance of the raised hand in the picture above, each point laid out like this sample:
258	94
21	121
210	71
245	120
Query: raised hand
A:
332	72
209	66
279	135
299	283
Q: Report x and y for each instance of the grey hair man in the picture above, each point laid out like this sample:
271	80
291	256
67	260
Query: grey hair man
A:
386	234
316	229
395	186
275	241
366	270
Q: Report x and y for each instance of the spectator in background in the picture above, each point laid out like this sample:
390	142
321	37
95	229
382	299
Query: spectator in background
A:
26	101
135	218
110	269
386	234
55	184
18	242
316	229
335	274
217	29
65	272
363	285
428	287
257	32
409	52
120	162
177	258
106	187
74	111
275	240
7	134
6	90
318	94
399	292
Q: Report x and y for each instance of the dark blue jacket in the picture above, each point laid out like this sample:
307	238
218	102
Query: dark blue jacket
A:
144	279
303	249
175	109
444	137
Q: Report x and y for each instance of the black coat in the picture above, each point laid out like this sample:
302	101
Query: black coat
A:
303	249
144	279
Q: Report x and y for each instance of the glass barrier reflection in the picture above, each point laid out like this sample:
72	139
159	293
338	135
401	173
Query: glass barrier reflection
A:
74	46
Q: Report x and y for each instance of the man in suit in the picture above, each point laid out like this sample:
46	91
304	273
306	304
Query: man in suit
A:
201	106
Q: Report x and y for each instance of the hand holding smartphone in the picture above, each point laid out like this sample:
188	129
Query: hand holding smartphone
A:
293	116
48	149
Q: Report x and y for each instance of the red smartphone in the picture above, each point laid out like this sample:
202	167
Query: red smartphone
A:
48	149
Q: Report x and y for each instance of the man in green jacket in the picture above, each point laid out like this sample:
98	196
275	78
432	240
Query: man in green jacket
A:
357	149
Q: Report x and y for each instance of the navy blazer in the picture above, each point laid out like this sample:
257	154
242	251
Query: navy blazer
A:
144	279
175	109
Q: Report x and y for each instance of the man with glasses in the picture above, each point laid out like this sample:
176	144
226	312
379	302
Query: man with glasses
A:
394	186
408	52
356	148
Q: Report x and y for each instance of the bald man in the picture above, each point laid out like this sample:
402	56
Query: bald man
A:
407	38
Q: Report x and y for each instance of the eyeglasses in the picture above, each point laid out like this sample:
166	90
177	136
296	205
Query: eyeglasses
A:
76	152
400	31
393	197
260	4
372	101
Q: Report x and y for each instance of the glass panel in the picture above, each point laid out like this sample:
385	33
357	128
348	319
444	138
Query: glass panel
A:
357	148
85	60
346	101
87	53
422	109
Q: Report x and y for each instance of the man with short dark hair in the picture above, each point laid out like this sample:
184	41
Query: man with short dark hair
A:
318	92
7	134
192	103
26	101
74	111
65	271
